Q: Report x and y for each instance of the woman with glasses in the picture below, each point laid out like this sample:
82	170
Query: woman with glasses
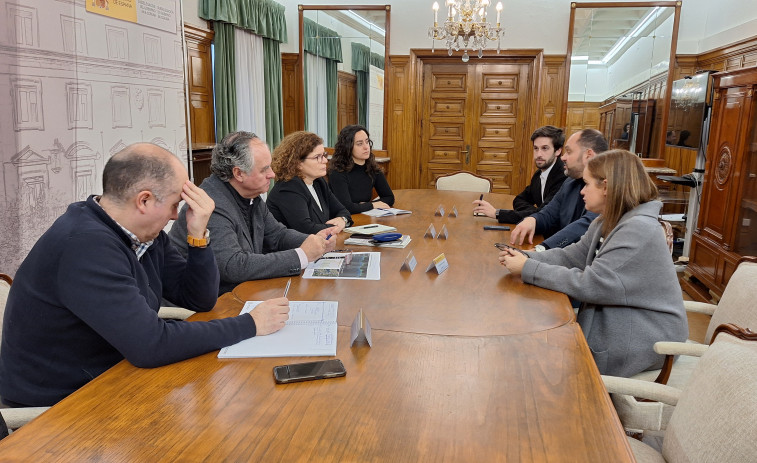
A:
621	269
300	198
354	172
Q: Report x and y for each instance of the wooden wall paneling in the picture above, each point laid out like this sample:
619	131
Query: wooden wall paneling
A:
346	100
200	79
582	116
552	91
290	91
738	55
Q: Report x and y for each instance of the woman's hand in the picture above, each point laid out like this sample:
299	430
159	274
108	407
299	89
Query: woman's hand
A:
380	205
513	260
337	225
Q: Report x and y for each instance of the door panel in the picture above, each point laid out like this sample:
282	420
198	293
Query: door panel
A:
444	125
489	141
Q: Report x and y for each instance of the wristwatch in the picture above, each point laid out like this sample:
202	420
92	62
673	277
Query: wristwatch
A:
199	242
539	248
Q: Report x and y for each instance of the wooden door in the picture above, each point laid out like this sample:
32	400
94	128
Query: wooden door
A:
346	100
200	76
474	118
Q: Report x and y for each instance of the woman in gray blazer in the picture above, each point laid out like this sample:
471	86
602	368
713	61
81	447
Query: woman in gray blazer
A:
301	198
621	269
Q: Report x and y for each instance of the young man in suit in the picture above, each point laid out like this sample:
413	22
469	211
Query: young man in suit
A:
565	219
546	181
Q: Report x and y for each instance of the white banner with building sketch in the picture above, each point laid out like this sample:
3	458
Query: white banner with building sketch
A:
75	88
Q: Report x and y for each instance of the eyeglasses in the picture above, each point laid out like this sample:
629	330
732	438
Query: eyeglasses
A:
319	157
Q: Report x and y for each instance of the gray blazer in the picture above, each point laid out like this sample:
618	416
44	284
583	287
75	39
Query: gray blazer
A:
628	286
268	252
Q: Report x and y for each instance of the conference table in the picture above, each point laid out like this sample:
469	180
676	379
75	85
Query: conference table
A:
467	365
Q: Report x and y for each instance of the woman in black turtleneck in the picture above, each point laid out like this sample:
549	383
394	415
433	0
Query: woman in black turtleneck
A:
354	173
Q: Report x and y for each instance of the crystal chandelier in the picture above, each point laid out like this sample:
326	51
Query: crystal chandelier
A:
466	27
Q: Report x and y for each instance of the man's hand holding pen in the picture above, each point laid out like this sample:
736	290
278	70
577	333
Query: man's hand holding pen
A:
270	316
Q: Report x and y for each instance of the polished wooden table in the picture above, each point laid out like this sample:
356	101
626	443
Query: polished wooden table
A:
469	365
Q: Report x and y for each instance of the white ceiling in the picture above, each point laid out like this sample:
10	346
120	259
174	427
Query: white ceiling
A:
596	31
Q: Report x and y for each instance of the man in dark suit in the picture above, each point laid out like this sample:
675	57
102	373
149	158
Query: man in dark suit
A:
545	183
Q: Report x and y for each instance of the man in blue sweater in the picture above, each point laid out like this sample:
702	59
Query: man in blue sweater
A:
87	295
565	219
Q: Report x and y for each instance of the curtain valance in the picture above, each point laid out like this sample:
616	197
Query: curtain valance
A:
262	17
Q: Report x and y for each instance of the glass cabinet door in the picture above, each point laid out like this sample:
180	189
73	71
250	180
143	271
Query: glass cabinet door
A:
746	238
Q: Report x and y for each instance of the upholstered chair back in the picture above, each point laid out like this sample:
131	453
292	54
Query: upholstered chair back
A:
464	181
714	419
738	304
5	287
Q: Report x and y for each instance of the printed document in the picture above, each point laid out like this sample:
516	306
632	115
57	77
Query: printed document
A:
310	330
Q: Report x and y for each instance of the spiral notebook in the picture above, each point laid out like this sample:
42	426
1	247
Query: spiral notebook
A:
310	330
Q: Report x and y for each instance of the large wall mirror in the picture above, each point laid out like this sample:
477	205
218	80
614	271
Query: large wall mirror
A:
343	51
620	73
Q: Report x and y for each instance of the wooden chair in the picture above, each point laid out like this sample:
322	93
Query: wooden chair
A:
713	418
464	181
736	306
14	417
667	229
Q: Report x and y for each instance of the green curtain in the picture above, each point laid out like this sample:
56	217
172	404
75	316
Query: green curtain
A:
219	10
223	81
377	60
331	103
321	41
274	104
262	17
326	43
361	64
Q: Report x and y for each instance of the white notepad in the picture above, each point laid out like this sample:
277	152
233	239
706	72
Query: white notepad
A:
370	229
310	330
386	212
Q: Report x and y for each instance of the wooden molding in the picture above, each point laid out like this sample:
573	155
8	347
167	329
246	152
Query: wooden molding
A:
198	33
734	330
737	49
7	278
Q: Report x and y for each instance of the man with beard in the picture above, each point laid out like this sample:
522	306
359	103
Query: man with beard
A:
545	183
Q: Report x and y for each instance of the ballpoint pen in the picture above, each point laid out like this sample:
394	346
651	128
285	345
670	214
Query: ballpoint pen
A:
370	226
286	290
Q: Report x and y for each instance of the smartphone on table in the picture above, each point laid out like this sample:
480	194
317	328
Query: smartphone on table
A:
296	372
503	246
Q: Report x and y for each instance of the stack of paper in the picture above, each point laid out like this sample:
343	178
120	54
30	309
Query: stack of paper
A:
370	229
386	212
401	243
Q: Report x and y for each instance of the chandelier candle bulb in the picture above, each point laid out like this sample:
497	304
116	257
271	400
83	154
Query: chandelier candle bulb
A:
499	10
435	7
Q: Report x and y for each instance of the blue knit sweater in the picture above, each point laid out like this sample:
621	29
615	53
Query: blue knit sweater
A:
81	302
